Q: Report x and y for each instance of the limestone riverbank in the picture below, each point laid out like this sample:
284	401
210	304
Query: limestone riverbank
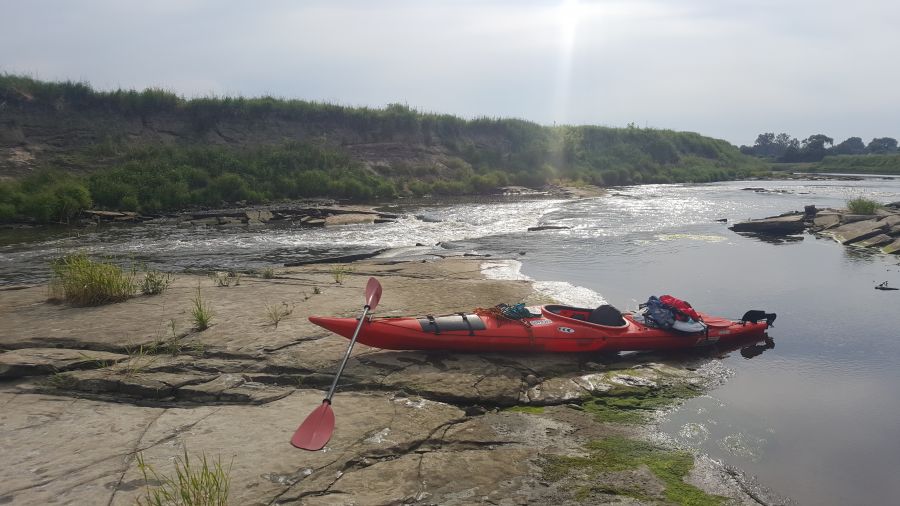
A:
84	391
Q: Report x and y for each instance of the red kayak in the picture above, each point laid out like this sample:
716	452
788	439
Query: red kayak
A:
550	328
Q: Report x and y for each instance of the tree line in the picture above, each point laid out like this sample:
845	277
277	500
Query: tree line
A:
787	149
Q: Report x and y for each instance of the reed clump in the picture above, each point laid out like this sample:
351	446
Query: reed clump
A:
80	281
198	482
200	312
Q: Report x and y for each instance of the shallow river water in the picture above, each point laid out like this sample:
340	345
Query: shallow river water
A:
816	418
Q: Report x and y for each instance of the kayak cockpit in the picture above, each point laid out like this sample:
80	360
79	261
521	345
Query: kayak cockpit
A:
604	315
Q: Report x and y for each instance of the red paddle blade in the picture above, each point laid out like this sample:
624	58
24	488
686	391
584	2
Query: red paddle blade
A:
373	293
316	430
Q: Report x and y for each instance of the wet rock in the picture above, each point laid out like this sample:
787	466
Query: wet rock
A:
349	219
875	242
547	227
40	361
892	248
824	221
857	231
778	225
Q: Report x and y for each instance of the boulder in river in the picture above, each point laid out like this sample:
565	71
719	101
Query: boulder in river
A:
777	225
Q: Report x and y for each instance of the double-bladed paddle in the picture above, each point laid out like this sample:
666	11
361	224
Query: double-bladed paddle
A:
316	430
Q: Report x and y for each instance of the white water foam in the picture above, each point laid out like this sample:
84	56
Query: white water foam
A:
560	291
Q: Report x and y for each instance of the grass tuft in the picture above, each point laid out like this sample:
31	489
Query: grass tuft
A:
226	279
196	483
339	272
267	273
200	312
155	282
862	205
139	359
81	281
277	312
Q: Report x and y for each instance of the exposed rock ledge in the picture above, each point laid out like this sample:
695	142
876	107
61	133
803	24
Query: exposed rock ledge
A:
879	231
88	389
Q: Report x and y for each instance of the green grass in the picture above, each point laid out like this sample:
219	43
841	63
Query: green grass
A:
197	482
533	410
339	272
267	273
80	281
620	454
635	405
200	312
862	205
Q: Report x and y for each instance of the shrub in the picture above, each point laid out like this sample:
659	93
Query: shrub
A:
81	281
862	205
155	282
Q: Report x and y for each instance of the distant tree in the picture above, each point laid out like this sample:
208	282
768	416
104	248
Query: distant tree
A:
768	145
785	141
851	146
813	147
881	145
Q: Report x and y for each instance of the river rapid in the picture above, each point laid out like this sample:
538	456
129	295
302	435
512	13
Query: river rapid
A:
815	418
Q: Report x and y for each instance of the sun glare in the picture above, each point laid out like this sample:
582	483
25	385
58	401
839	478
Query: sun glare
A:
569	12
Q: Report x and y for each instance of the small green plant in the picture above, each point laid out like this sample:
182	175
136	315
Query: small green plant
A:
277	312
60	380
862	205
203	484
171	343
200	312
338	272
138	359
81	281
97	362
155	282
230	278
267	273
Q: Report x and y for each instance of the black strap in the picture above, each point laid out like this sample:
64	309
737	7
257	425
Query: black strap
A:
432	321
468	323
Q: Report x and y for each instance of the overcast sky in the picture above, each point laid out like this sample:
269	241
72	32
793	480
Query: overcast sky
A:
724	68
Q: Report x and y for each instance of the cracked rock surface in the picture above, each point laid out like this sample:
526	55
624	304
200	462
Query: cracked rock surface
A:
84	391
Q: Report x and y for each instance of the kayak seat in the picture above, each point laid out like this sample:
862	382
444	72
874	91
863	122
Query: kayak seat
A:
605	315
608	316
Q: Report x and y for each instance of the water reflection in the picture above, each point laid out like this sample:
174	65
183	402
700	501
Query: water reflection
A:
773	239
754	350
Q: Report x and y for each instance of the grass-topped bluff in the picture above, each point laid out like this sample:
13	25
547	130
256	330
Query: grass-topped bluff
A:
65	147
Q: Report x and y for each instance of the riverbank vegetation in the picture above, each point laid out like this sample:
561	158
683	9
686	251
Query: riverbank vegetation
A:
153	151
819	153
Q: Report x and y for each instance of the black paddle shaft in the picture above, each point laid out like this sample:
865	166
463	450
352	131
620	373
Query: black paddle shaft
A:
346	355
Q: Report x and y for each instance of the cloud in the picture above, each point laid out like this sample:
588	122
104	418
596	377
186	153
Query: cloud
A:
728	69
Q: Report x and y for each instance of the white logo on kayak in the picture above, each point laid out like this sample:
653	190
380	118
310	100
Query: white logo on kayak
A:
567	330
540	322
